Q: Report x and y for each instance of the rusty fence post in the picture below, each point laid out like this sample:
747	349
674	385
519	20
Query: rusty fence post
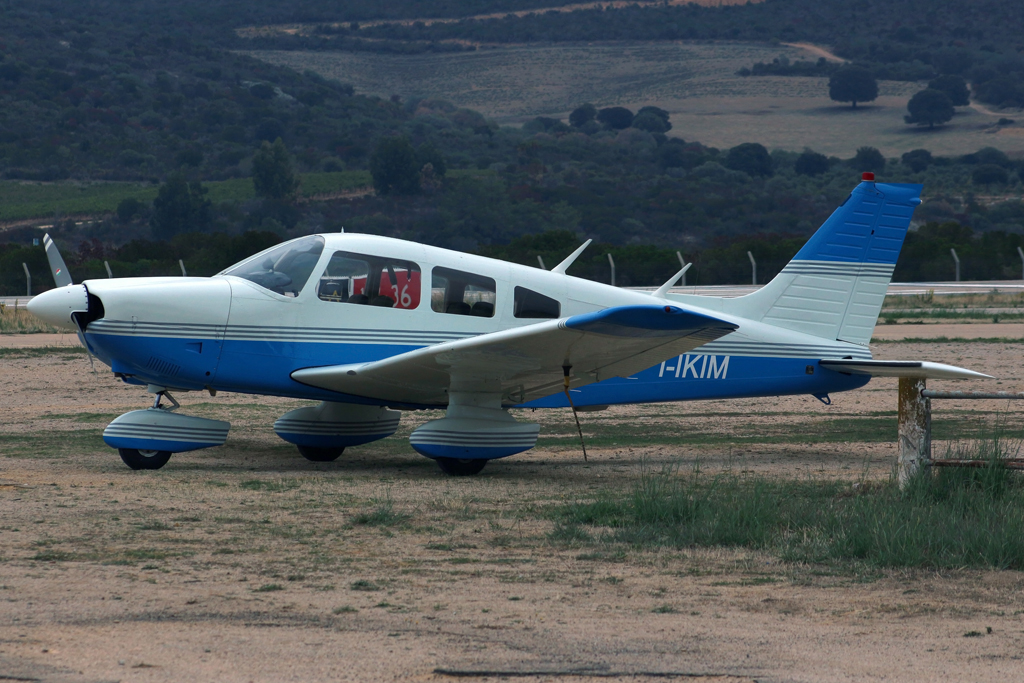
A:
914	447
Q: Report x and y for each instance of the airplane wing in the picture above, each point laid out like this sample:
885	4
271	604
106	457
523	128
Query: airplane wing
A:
902	368
525	363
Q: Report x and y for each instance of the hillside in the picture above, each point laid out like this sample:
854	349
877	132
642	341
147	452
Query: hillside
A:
105	104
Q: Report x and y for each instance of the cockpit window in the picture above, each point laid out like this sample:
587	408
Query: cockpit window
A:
370	280
284	269
460	293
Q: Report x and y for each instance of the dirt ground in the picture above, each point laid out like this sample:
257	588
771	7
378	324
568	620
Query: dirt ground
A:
247	563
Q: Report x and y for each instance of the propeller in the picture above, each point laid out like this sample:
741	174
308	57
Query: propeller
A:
64	304
61	276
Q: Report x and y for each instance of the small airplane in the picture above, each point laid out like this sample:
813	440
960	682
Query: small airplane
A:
372	326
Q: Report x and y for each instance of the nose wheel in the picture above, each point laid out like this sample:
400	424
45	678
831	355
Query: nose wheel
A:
145	439
144	460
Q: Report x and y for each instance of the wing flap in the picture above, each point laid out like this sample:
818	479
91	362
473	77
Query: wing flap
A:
902	368
525	363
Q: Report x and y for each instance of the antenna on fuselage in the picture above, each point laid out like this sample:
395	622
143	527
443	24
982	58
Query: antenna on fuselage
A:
663	290
564	265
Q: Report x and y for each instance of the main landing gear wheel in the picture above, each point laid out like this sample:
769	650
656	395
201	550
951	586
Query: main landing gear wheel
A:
460	468
144	460
321	454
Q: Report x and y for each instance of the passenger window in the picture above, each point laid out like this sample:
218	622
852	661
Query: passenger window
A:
370	280
531	304
459	293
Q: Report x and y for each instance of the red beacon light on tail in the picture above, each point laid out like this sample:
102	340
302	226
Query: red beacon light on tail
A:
868	177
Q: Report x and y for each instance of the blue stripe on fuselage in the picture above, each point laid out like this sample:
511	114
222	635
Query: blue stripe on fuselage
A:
745	377
260	367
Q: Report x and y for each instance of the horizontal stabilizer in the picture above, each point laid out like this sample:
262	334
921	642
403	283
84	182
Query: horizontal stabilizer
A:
902	368
525	363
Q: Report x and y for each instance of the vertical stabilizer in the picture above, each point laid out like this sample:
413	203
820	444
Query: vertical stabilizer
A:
834	287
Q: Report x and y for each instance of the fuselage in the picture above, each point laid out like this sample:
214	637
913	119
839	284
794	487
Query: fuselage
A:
245	331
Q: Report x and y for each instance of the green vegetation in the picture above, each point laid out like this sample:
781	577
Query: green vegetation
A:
132	106
20	321
609	432
852	84
930	107
26	199
272	174
268	588
382	513
893	39
958	518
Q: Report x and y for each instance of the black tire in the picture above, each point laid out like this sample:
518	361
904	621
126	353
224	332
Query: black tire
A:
144	460
460	468
321	454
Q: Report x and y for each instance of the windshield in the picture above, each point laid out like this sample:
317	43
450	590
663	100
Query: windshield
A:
283	269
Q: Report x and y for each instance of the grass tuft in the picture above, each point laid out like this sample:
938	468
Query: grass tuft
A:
268	588
272	486
957	518
381	514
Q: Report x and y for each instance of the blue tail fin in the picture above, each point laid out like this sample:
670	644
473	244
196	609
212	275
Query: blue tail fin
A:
834	286
869	227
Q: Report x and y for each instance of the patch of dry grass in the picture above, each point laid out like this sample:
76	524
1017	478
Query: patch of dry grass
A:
17	320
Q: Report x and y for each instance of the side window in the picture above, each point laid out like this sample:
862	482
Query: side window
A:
459	293
370	280
531	304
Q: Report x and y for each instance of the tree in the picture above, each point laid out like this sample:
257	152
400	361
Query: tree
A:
811	163
929	107
269	129
989	155
129	208
428	154
988	174
272	175
917	159
582	114
394	167
868	159
751	158
616	118
955	88
180	206
852	84
653	120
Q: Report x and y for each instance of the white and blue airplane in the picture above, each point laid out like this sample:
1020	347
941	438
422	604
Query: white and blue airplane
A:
371	326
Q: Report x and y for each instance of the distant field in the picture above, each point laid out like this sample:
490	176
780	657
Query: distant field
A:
309	29
696	82
24	200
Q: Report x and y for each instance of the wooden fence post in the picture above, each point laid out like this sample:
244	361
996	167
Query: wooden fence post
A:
914	447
